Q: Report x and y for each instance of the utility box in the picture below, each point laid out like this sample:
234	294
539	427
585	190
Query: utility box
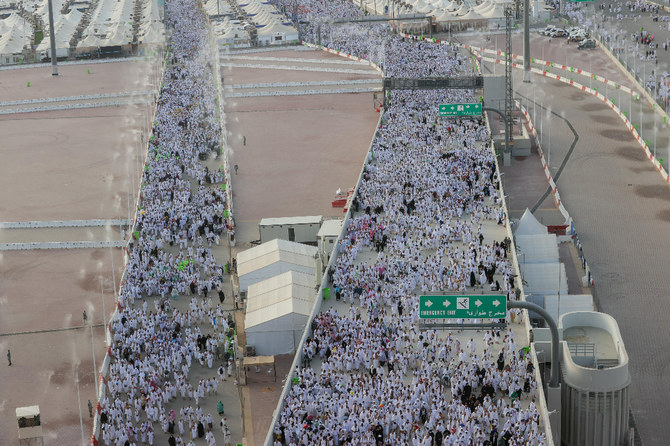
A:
293	229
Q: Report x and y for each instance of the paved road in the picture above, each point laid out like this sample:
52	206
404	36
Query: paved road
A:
620	205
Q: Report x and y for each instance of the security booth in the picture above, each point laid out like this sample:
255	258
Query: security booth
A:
30	426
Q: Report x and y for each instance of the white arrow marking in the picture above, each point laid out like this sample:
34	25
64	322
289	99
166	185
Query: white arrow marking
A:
446	303
429	303
478	303
496	303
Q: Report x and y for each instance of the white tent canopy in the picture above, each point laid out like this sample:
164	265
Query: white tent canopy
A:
537	248
485	5
277	311
528	225
65	27
15	33
557	306
272	258
545	278
272	291
496	11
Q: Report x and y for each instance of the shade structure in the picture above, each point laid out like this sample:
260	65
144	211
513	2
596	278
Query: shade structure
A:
277	310
272	258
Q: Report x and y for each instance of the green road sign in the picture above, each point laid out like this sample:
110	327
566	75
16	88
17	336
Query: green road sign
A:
474	109
481	306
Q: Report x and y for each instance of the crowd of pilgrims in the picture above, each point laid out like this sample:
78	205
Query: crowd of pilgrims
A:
182	216
429	188
369	375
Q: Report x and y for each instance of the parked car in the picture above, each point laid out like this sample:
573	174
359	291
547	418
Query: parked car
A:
587	44
560	33
577	37
548	30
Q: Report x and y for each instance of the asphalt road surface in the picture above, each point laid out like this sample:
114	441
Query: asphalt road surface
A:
620	206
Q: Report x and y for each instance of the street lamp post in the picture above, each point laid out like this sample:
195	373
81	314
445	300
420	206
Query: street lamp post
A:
81	422
104	314
95	367
52	39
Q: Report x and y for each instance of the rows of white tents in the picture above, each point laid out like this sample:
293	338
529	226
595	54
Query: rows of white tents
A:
111	24
100	24
15	33
488	13
544	275
278	278
235	28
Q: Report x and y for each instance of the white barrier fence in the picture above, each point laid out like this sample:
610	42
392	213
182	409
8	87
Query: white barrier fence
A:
83	97
63	224
61	245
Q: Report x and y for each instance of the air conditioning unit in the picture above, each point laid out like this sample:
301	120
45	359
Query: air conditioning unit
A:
250	350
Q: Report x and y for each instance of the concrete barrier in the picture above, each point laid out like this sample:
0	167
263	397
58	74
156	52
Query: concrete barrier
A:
85	97
63	224
61	245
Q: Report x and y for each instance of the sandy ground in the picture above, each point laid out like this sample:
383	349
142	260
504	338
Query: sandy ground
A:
282	173
74	80
80	164
74	164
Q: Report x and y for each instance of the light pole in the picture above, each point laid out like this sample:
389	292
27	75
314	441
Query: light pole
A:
95	367
52	39
549	143
111	254
104	314
81	422
655	131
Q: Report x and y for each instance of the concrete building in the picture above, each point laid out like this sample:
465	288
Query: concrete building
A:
595	390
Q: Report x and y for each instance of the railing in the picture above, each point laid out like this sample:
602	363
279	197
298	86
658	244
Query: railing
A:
582	349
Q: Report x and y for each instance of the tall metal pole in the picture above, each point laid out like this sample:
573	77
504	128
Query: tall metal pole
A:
52	38
95	367
526	41
104	314
111	254
81	422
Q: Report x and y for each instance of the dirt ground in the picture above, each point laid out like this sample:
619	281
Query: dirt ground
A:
63	165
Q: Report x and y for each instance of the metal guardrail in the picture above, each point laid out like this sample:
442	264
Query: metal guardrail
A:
582	349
